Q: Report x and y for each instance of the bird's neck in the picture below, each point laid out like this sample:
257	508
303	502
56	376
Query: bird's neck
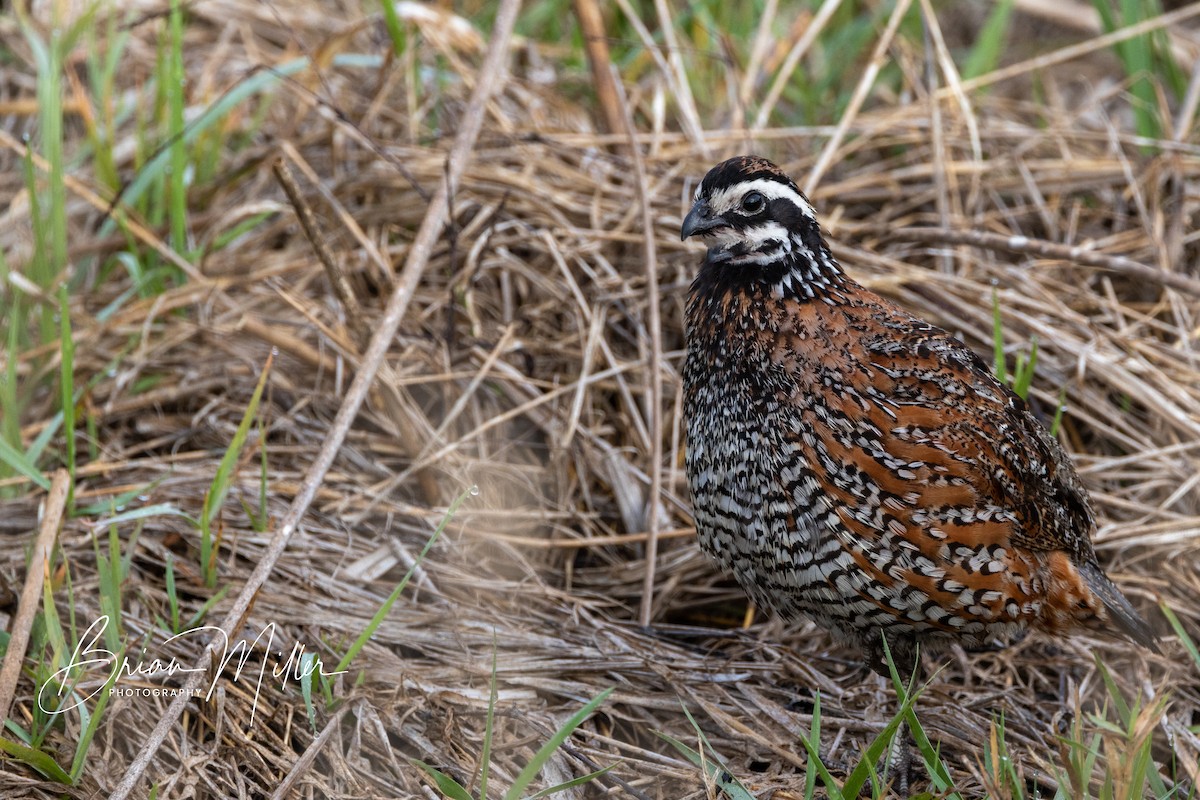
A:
801	269
811	275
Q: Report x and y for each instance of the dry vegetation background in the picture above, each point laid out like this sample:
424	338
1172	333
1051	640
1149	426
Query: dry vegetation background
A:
524	367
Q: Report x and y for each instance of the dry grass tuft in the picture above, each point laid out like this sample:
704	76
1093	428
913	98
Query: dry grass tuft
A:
524	368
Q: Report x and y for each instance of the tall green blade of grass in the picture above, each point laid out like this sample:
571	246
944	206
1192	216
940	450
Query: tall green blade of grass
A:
531	770
387	604
66	351
257	83
391	21
176	91
88	734
108	570
105	49
1023	374
1146	59
485	758
48	60
214	498
1185	638
712	764
18	462
1060	408
172	597
46	667
998	367
998	764
989	45
816	766
36	759
939	774
10	403
446	785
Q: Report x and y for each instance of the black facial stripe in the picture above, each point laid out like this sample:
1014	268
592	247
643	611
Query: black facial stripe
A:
794	218
734	172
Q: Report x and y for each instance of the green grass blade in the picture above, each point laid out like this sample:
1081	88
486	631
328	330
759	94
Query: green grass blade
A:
939	775
814	738
33	453
1023	377
172	596
10	403
66	351
37	760
202	612
998	368
214	498
865	768
580	781
146	512
257	83
485	759
445	784
832	789
48	56
117	502
1188	643
93	722
1124	712
175	93
17	461
387	604
990	42
531	770
391	21
306	684
108	573
725	780
1059	410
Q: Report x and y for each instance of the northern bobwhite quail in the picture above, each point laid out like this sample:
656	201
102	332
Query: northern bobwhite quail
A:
854	464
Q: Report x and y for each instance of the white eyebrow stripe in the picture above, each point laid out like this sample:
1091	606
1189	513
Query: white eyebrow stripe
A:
725	199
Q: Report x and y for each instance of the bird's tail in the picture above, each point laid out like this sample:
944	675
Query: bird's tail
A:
1120	613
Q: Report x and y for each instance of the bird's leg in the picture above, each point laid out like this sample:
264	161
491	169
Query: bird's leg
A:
900	760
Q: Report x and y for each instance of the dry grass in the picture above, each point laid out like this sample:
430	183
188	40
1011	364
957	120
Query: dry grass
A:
524	368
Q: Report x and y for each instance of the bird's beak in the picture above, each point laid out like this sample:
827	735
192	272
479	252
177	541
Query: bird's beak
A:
700	219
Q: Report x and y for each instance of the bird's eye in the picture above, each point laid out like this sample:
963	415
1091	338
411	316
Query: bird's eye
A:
753	203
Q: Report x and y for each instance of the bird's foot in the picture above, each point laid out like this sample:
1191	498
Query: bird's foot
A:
901	766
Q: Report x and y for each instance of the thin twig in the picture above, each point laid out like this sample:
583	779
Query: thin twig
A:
31	592
763	40
337	278
689	118
859	97
654	399
492	71
595	42
815	26
1040	247
306	759
683	87
1078	50
938	162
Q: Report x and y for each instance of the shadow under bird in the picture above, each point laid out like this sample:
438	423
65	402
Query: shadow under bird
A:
853	464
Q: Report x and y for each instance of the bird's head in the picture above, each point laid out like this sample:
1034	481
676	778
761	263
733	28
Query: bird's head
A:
756	221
